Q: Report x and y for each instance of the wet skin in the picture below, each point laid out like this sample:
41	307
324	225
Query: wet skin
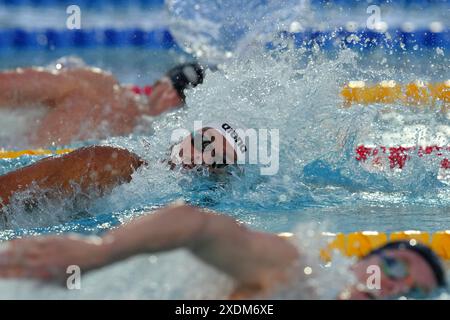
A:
98	167
84	103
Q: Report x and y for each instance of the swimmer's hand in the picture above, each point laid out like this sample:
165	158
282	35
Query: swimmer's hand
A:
47	258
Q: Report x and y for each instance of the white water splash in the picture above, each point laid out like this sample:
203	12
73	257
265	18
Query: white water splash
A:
215	31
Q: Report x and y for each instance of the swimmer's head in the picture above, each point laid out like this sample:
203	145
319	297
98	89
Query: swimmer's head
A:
216	147
405	269
185	76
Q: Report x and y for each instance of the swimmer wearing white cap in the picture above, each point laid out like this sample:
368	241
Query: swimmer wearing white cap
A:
216	146
84	103
96	170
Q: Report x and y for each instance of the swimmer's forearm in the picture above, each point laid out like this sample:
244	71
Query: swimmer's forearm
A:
174	227
98	167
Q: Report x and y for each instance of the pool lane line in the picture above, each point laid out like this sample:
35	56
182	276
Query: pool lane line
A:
161	38
398	156
417	93
10	154
52	39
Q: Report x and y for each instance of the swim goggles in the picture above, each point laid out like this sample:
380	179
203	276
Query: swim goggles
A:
397	269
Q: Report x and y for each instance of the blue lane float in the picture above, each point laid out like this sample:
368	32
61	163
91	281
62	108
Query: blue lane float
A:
52	39
366	40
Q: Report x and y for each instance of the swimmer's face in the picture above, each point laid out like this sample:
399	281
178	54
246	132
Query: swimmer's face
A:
402	272
206	148
164	97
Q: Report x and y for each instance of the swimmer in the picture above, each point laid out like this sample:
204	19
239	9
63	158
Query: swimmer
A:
87	103
96	170
259	262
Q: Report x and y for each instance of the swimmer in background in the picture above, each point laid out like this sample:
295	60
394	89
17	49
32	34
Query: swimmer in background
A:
94	171
88	103
258	262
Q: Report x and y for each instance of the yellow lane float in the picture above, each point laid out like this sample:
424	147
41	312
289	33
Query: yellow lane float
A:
360	243
418	93
9	154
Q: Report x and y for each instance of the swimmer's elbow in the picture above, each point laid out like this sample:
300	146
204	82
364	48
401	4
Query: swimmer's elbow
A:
216	230
189	224
194	221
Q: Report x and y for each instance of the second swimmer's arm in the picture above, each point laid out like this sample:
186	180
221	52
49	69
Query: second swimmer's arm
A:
253	259
247	256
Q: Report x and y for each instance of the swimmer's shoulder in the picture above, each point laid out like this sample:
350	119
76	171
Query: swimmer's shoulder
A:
90	73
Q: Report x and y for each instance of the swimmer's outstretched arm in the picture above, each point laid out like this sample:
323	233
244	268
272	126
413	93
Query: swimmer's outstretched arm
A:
253	259
98	168
23	87
217	239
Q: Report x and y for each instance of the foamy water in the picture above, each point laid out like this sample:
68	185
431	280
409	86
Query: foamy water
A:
16	123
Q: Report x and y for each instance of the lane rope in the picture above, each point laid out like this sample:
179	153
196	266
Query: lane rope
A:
418	93
397	156
361	40
11	154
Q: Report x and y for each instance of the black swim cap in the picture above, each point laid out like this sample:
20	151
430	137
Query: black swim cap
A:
426	253
186	75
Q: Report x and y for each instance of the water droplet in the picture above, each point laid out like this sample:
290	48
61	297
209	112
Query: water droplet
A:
307	271
295	27
436	26
153	259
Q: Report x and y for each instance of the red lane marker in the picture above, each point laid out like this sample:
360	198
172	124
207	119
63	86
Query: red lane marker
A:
398	156
445	164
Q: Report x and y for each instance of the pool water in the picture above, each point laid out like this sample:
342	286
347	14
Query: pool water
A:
319	186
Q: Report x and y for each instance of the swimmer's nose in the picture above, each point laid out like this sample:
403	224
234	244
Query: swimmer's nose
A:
390	287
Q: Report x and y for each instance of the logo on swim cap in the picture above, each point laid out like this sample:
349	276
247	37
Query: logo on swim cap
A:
237	139
234	137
